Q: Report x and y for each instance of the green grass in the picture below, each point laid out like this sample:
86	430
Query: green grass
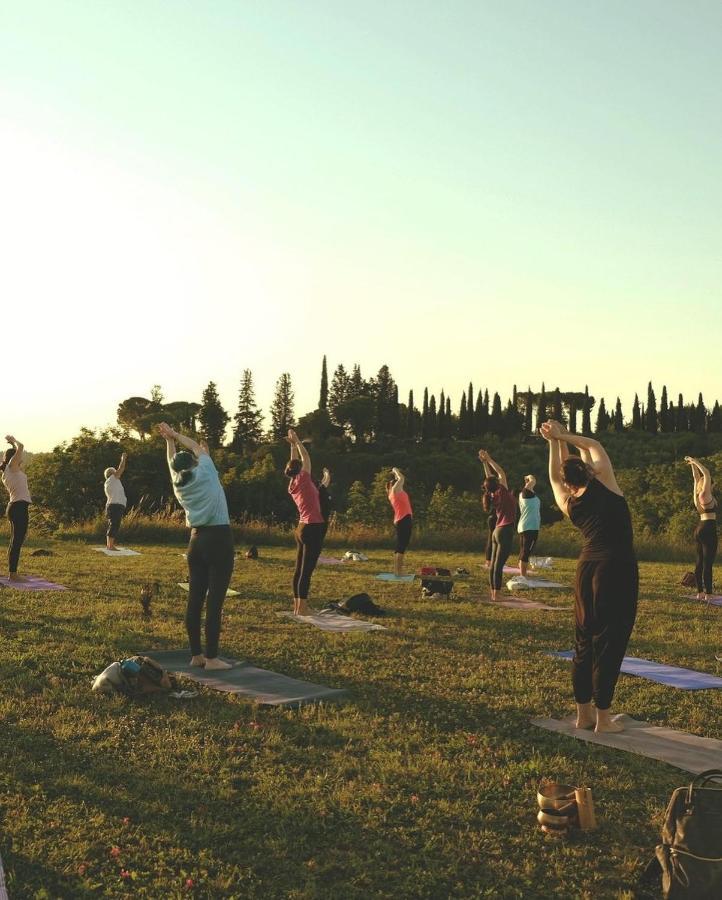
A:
423	785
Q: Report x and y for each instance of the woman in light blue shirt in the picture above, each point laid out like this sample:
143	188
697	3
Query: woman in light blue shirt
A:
529	522
210	551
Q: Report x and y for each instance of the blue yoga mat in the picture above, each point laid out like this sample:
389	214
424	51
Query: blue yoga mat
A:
389	576
674	676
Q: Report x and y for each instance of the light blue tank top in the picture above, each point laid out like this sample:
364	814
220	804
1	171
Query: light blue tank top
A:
203	498
529	514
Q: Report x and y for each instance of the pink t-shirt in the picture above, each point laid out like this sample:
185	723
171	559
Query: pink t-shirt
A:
401	504
505	506
305	496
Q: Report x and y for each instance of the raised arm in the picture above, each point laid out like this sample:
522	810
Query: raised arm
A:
398	485
483	457
326	479
489	462
301	452
557	449
121	465
701	472
18	458
167	432
591	452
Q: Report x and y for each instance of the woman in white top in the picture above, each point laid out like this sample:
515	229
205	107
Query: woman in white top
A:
116	501
16	482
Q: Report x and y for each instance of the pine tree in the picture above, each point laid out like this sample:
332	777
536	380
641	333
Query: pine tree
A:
247	430
528	412
212	417
586	412
602	418
651	423
541	408
386	405
715	420
496	420
282	414
636	415
323	398
356	384
339	391
425	433
618	417
664	419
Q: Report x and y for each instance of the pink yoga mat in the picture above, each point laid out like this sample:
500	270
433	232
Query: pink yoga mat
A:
33	583
330	561
715	599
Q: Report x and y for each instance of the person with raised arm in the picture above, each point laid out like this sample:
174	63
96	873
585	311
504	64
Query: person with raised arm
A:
311	528
16	483
705	534
607	580
529	522
403	517
210	550
116	501
498	497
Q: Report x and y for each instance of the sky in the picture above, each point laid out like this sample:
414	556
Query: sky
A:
505	192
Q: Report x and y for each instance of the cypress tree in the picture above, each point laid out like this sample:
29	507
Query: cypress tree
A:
636	415
384	389
715	420
528	412
339	392
282	414
462	417
484	418
442	415
470	411
682	421
496	420
541	408
602	418
449	420
700	416
651	424
247	430
356	384
618	417
586	412
558	412
478	415
433	418
411	417
323	398
212	417
425	435
664	419
573	413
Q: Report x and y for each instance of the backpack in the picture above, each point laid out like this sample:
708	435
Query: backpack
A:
690	855
431	585
134	677
252	552
689	580
362	603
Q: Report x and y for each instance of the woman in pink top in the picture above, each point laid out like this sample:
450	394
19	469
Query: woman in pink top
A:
403	517
16	483
311	525
498	496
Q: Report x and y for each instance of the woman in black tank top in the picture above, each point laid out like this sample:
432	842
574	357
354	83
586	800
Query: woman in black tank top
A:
607	582
705	535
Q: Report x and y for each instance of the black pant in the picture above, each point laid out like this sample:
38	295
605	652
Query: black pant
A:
114	512
491	521
210	566
500	550
403	533
605	610
527	542
309	540
18	514
705	537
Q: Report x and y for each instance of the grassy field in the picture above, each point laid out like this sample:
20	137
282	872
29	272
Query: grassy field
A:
422	785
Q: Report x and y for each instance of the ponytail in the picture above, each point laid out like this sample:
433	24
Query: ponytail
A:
9	453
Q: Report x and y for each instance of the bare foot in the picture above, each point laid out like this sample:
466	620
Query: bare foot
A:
585	716
607	725
700	596
198	661
217	663
15	577
304	609
487	565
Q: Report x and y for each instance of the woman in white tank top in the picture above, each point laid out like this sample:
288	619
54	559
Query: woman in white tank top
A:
16	483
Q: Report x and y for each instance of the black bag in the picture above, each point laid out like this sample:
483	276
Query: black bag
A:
362	603
690	855
431	585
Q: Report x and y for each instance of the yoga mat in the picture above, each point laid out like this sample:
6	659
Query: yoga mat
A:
121	551
685	751
33	583
541	562
333	621
519	603
389	576
330	561
259	685
685	679
527	584
229	593
715	599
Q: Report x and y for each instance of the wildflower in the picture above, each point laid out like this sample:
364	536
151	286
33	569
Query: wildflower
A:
115	852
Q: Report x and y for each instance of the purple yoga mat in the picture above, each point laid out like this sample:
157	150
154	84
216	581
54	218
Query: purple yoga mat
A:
33	583
715	599
330	561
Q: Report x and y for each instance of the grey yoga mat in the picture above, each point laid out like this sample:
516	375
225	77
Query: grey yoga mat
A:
674	676
259	685
389	576
685	751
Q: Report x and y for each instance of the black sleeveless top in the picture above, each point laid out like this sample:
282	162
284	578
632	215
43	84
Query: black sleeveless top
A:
605	523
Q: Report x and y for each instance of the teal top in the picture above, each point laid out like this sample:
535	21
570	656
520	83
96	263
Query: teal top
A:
529	514
203	498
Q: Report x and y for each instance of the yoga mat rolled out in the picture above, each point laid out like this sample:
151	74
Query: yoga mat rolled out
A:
229	593
714	600
519	603
32	583
389	576
677	748
522	583
121	551
674	676
333	621
259	685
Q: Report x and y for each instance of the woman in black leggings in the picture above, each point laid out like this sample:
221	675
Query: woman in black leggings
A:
491	522
210	551
311	524
607	585
16	483
705	535
498	497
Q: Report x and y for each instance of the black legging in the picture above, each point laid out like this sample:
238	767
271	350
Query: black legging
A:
605	609
210	566
403	533
491	521
500	550
17	513
705	537
114	513
309	541
527	542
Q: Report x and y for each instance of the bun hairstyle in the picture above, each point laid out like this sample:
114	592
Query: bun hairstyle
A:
576	473
9	453
491	486
183	463
293	468
108	472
